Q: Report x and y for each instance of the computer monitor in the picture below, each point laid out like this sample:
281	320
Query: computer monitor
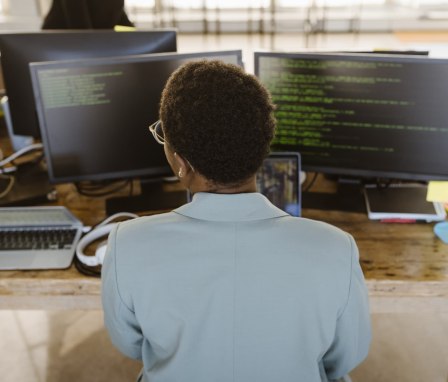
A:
94	114
406	52
361	115
18	50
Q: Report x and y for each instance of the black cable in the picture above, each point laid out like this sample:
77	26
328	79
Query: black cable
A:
386	183
100	189
86	270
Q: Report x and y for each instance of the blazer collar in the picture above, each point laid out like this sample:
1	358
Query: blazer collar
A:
230	207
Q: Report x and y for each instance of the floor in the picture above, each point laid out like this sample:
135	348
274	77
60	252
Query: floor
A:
38	346
53	346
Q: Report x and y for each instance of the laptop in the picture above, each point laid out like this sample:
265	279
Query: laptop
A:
38	237
279	180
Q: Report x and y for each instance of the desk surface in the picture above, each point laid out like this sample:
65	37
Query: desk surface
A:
405	265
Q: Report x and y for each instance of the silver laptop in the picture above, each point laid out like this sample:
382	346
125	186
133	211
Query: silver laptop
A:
38	237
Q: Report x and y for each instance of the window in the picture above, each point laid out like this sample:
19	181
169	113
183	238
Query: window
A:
328	3
198	4
221	3
140	3
239	15
421	3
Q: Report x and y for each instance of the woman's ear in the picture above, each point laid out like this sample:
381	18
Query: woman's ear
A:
181	165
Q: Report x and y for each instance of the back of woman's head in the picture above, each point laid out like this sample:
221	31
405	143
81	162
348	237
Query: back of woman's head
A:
218	118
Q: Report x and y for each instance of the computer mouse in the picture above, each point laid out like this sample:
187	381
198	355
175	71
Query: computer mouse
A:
441	231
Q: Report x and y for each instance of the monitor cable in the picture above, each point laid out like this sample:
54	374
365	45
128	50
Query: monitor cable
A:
101	189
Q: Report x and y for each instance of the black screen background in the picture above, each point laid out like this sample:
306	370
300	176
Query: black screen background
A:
411	136
108	141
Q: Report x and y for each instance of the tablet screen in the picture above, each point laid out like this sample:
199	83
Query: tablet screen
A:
279	180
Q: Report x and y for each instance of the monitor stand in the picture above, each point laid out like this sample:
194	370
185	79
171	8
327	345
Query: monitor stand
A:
153	197
17	141
348	197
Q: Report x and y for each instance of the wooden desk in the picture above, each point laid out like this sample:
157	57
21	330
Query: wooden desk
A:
405	265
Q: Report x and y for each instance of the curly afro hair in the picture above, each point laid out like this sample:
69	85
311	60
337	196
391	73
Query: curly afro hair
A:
218	118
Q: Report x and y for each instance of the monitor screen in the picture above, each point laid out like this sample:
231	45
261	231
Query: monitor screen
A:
361	115
94	114
18	50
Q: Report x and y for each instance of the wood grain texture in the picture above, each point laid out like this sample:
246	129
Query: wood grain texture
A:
405	265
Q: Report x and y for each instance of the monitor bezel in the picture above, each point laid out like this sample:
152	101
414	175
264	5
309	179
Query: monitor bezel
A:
355	172
50	41
128	174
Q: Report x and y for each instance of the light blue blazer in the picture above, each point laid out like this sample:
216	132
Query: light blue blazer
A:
230	288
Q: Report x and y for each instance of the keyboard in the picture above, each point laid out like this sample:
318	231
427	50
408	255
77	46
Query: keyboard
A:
38	237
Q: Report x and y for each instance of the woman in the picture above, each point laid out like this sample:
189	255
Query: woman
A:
229	287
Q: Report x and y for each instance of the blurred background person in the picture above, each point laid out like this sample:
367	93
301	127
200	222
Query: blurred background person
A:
86	14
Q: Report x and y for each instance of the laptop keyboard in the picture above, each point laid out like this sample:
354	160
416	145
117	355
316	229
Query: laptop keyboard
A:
36	238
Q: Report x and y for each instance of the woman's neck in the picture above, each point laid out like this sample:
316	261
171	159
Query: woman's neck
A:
203	185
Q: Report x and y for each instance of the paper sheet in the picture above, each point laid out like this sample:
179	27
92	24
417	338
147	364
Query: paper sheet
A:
123	28
437	191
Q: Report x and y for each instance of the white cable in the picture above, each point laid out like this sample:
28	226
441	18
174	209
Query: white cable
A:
102	229
115	216
8	187
35	146
8	170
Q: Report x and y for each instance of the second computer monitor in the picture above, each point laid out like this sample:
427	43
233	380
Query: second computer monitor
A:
361	115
